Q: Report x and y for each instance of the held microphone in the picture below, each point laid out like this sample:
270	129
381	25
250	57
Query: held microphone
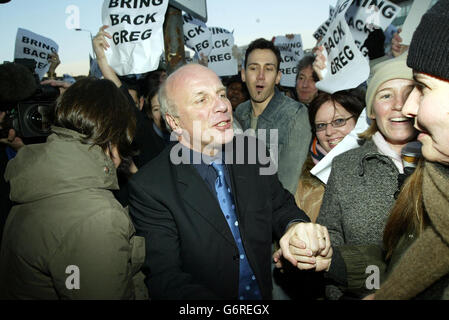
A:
410	154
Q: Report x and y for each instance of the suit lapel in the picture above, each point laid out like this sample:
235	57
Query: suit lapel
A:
197	196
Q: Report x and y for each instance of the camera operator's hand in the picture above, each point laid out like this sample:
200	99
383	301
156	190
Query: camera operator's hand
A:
62	85
12	140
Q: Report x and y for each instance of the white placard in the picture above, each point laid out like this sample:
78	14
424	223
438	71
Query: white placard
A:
418	9
291	52
197	35
220	58
364	16
30	45
323	169
346	68
137	37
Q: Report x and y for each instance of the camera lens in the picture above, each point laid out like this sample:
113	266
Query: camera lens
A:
38	119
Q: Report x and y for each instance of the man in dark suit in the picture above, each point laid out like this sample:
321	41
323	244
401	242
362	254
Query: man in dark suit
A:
208	226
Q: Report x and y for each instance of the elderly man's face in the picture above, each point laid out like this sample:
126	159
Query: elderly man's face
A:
305	86
204	119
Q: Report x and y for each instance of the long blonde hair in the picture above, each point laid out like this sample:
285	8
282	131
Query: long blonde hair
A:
408	214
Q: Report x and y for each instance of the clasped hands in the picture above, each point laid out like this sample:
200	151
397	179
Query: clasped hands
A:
306	246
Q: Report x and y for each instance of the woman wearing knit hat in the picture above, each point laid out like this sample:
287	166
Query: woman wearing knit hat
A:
361	187
423	270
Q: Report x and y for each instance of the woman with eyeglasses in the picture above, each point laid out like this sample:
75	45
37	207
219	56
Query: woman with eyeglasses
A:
363	182
332	117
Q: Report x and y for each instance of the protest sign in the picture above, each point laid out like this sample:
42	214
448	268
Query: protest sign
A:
413	19
346	68
137	36
197	35
321	31
30	45
291	52
363	16
220	58
331	10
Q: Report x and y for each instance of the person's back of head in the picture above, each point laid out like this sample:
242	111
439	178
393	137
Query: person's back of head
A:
16	83
98	110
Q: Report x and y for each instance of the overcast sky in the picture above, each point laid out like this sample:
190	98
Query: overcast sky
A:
250	19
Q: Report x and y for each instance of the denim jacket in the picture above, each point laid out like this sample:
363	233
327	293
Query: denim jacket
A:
291	119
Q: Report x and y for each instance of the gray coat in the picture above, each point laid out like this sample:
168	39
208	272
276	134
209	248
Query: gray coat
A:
359	196
291	118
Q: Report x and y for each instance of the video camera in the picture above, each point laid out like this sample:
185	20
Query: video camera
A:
30	117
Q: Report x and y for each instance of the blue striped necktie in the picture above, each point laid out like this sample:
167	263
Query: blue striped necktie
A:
248	287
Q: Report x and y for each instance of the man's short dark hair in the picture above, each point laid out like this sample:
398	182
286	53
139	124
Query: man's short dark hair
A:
305	62
262	43
100	111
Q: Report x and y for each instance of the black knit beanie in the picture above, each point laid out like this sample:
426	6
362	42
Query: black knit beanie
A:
429	49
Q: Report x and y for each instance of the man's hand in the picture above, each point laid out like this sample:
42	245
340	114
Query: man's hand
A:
62	85
12	140
307	246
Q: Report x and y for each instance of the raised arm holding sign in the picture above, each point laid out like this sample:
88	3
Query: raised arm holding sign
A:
136	42
30	45
346	67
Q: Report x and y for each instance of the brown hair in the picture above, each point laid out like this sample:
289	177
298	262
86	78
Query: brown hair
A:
352	100
100	111
407	215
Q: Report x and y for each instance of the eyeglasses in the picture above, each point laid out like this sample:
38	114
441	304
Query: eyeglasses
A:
340	122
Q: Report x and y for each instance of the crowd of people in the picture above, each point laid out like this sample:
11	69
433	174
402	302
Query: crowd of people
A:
186	186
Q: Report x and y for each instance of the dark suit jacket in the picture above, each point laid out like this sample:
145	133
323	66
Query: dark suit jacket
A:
190	250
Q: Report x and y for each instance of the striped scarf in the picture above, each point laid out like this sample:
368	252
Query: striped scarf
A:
316	151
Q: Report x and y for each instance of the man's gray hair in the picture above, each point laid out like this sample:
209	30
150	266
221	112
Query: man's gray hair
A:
167	104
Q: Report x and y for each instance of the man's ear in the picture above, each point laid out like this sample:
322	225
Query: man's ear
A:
173	123
242	72
278	77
